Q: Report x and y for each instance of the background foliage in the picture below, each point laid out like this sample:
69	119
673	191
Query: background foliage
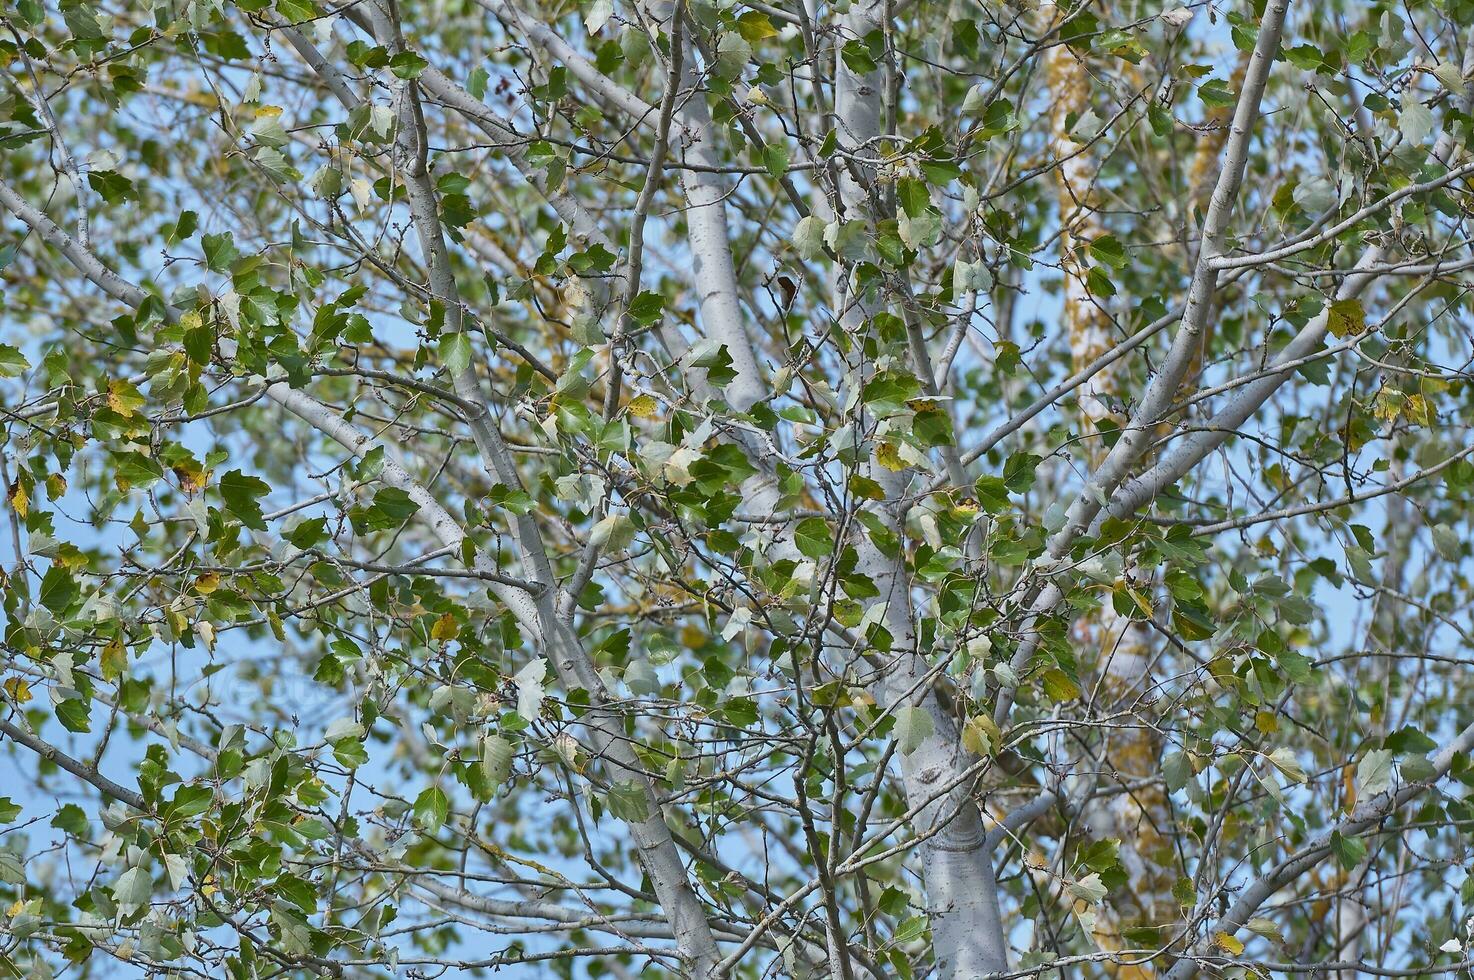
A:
870	488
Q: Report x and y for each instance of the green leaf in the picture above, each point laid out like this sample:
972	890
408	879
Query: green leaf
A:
58	589
647	308
111	185
1019	472
242	495
717	362
1409	741
431	809
932	427
813	538
1306	57
914	725
913	196
1348	851
12	873
496	759
909	929
808	238
992	494
408	65
189	801
69	818
627	802
1107	250
476	84
220	251
390	509
132	889
1216	93
350	753
12	362
455	352
185	226
733	55
308	533
857	58
1446	542
75	715
596	258
775	160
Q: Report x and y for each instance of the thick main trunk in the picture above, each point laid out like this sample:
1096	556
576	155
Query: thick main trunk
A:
957	867
961	885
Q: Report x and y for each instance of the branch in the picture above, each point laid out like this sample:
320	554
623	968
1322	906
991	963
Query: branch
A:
1366	816
1168	380
81	770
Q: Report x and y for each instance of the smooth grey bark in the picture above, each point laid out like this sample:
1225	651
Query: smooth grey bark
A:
960	881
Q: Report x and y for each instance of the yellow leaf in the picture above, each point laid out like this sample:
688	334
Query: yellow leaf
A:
20	500
643	407
1419	410
981	736
1346	316
754	26
19	690
206	630
114	660
1228	943
192	478
56	486
889	457
1058	686
1141	601
124	398
445	628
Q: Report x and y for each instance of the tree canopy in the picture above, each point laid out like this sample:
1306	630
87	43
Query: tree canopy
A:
722	488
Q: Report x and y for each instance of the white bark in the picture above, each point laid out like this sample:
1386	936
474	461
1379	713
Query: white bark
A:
657	851
968	938
714	276
1249	399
